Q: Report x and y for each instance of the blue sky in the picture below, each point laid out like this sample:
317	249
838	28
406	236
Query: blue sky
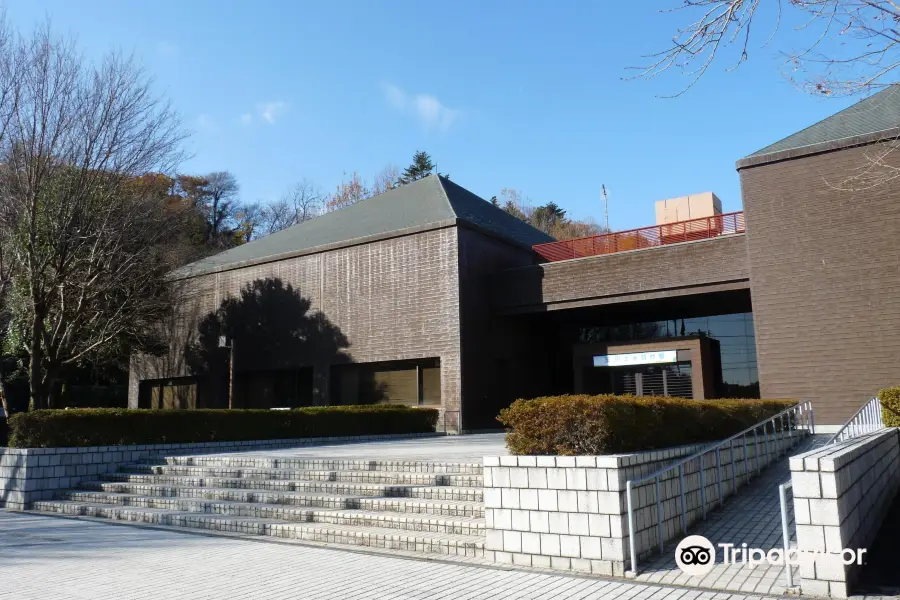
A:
502	94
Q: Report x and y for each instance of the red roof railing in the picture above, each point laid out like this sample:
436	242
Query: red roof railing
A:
644	237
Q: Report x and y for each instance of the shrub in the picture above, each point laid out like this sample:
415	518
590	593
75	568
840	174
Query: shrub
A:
890	406
573	424
113	427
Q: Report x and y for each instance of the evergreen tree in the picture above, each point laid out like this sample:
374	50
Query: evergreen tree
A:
421	167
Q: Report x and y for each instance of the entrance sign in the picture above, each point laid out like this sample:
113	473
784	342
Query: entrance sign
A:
636	358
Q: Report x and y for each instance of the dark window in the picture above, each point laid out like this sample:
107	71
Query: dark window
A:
281	388
179	392
407	382
737	344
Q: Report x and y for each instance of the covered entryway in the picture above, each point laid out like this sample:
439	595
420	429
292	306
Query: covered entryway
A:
685	367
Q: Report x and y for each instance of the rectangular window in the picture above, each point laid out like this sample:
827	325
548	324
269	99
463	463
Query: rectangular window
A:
406	382
180	392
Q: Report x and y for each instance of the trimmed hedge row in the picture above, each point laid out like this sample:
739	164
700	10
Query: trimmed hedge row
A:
890	406
114	427
594	425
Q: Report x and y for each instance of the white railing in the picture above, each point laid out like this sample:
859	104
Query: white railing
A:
866	420
786	531
798	419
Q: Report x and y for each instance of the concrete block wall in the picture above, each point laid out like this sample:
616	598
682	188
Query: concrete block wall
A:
570	512
31	474
841	495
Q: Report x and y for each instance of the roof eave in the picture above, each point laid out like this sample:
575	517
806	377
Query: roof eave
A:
820	148
176	276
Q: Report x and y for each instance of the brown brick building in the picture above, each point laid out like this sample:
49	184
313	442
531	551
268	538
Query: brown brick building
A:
429	295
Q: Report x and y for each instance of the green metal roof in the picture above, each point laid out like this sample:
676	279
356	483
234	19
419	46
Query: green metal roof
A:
433	200
879	112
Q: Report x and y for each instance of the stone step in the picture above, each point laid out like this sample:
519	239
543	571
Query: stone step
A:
432	523
313	464
114	482
456	479
320	532
447	508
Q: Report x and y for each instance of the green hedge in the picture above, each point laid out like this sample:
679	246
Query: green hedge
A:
113	427
890	406
593	425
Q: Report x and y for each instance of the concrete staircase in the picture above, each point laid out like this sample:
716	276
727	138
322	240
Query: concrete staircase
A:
404	505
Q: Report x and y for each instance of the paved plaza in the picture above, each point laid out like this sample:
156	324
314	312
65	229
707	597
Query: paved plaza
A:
45	557
450	448
49	558
752	517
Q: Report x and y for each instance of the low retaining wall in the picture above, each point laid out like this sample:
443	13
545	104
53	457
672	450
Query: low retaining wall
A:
841	495
570	512
31	474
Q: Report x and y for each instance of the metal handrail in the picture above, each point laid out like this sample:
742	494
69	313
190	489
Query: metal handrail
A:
799	411
785	533
866	420
643	237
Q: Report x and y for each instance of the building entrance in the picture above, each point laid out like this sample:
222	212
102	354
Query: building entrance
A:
643	380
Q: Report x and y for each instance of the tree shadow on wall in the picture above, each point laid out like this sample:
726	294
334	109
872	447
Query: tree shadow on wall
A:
276	341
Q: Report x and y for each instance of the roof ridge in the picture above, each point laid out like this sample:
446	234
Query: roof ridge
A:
444	193
893	88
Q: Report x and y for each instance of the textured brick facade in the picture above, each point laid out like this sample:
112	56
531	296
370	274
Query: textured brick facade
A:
688	268
842	494
393	299
492	346
825	279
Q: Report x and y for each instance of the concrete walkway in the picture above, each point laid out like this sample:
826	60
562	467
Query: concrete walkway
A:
48	558
451	448
752	517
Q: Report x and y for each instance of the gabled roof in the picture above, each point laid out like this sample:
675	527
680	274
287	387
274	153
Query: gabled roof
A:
879	112
433	201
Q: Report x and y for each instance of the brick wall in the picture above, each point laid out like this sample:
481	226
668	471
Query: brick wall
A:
570	512
825	276
692	267
393	299
842	493
492	346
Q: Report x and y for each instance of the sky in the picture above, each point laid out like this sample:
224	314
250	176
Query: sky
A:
534	96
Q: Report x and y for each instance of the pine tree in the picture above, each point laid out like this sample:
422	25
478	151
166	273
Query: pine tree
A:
421	167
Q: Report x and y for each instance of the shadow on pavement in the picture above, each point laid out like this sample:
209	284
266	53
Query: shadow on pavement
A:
881	573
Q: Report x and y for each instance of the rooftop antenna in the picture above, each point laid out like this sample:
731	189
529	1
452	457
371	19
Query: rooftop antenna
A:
605	207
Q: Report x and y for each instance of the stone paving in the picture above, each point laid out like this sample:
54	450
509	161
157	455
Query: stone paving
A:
752	517
49	558
452	448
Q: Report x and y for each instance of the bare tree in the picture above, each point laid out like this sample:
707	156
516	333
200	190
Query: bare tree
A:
215	196
84	239
348	193
300	204
221	191
866	57
250	221
851	47
385	180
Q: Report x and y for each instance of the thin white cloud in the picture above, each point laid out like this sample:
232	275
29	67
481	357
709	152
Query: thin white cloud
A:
206	124
426	108
167	49
395	97
268	111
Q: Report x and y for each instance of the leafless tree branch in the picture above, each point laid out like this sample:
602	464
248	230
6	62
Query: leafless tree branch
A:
83	233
